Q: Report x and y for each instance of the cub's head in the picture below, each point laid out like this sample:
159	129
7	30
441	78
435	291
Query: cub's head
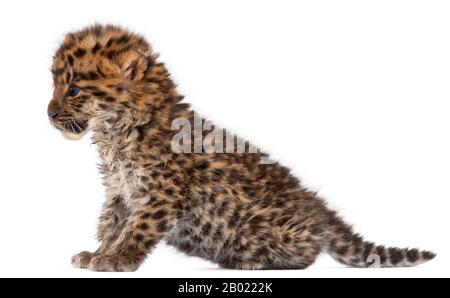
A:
97	73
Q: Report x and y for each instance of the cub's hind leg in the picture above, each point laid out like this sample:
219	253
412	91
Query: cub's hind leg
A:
111	223
275	243
265	258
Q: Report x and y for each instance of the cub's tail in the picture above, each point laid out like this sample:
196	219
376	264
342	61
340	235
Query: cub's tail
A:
350	249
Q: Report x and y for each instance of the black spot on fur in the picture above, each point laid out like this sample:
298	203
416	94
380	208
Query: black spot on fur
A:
70	60
168	191
95	48
218	233
201	165
145	215
428	255
342	250
222	208
79	53
149	244
159	214
139	237
206	229
162	226
396	255
381	252
123	39
99	94
262	252
412	255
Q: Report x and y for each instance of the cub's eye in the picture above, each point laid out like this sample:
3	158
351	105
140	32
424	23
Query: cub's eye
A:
73	91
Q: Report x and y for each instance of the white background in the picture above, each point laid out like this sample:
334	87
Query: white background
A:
353	95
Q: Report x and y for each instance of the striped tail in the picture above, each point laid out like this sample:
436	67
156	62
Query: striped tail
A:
350	249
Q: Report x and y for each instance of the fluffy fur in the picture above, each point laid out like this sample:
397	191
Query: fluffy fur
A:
229	208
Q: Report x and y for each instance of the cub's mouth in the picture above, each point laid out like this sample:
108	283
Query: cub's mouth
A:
74	126
72	129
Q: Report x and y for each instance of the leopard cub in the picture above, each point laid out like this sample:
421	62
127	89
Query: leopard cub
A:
230	206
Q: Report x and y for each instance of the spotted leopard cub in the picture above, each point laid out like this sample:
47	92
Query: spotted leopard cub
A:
228	207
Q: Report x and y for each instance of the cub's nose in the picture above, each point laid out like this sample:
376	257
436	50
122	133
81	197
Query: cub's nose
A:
54	114
54	110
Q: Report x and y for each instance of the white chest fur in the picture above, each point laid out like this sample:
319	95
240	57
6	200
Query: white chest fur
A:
120	172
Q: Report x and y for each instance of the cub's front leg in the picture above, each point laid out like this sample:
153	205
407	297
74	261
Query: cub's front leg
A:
112	221
145	227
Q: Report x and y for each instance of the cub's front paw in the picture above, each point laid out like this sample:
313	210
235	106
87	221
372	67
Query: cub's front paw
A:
82	259
115	263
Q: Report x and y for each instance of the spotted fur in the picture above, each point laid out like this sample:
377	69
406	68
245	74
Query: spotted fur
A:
231	209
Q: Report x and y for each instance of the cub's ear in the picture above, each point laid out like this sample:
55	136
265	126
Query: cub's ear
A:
132	64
